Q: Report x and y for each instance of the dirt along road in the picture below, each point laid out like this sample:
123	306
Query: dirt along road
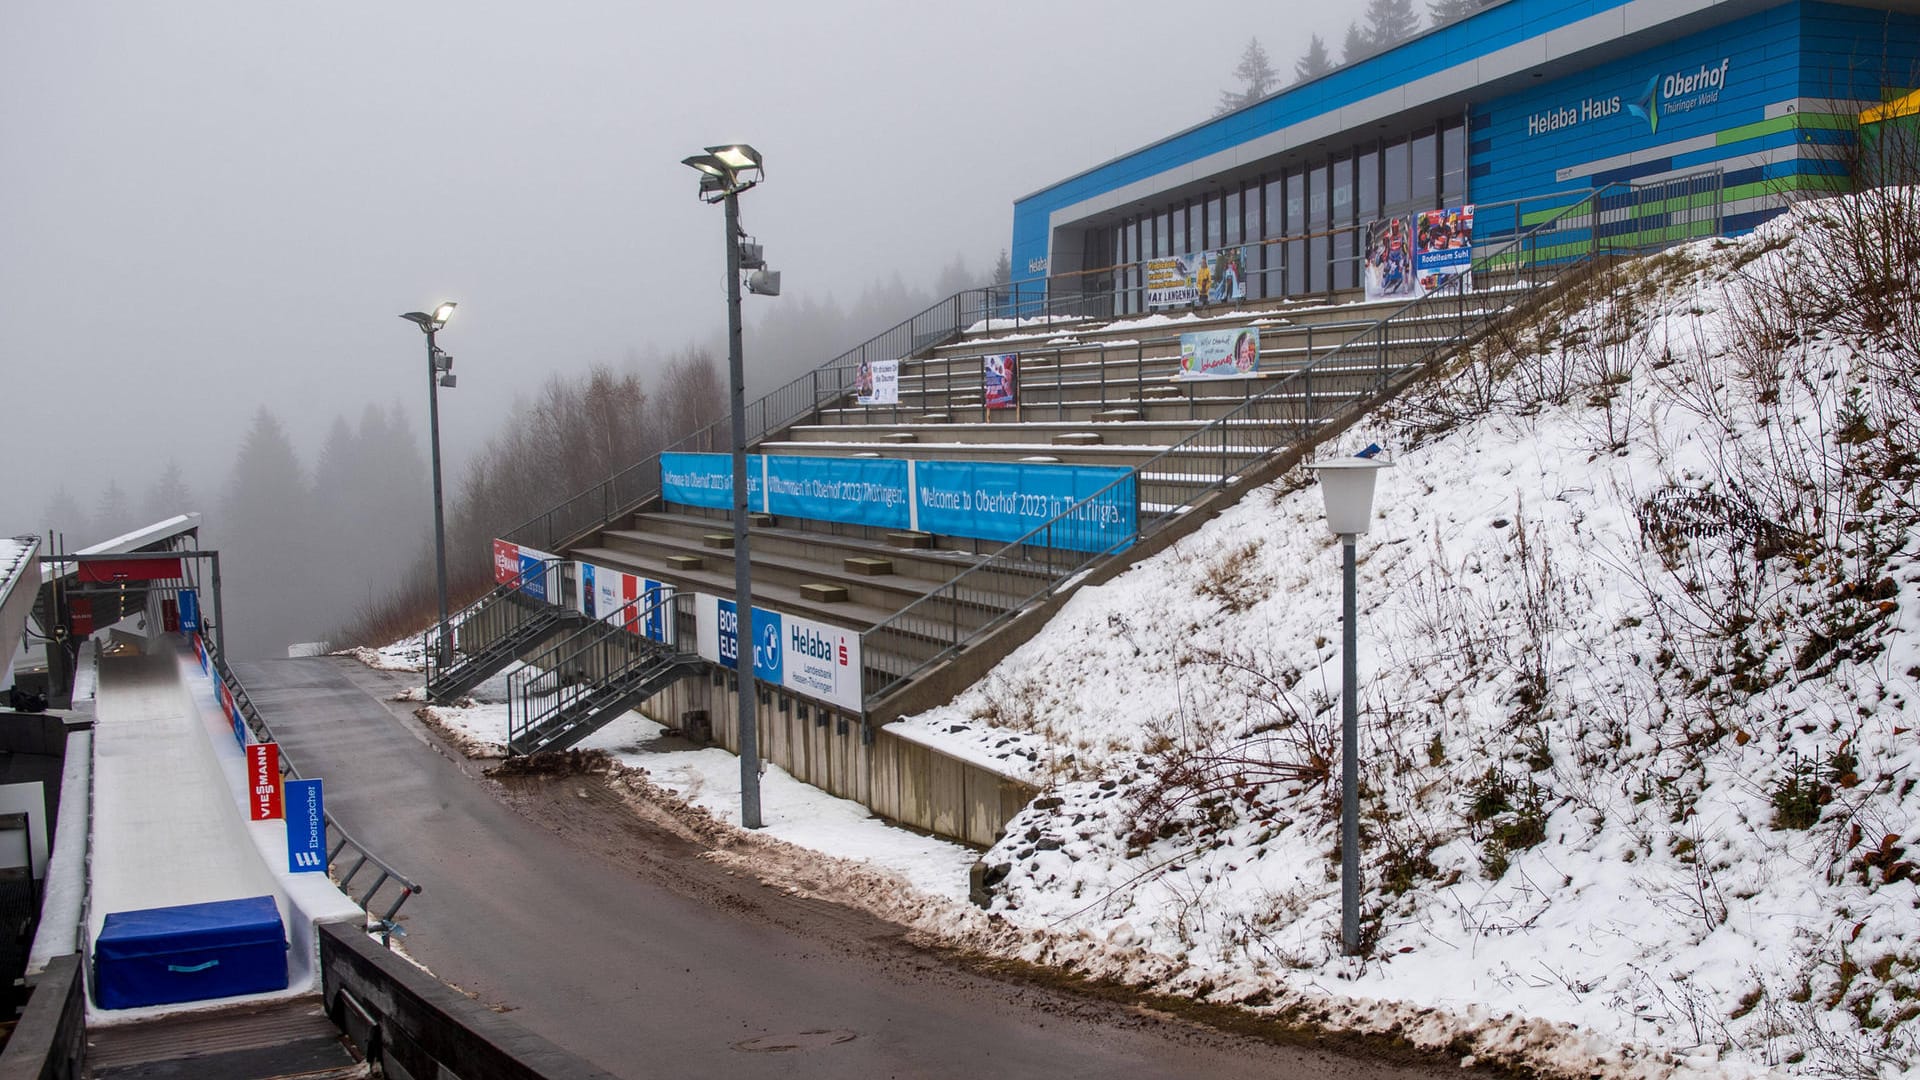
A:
605	930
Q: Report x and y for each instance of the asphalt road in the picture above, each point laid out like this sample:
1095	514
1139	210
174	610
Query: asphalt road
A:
553	903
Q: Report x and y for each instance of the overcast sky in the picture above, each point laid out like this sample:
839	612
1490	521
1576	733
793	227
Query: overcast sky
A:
206	207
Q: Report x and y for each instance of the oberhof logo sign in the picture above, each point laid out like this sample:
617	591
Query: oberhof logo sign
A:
1666	93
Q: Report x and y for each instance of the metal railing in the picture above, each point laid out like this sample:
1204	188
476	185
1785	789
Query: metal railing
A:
582	665
343	840
492	619
1172	482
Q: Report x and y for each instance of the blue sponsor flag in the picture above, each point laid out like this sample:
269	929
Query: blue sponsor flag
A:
189	611
306	811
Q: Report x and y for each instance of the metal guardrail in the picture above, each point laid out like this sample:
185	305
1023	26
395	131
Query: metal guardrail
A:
580	665
1175	480
344	840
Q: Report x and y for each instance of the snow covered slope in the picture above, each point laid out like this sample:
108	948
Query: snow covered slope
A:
1638	633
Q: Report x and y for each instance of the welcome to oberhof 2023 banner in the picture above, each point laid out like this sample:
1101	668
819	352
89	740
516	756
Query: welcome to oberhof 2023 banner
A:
983	500
1201	277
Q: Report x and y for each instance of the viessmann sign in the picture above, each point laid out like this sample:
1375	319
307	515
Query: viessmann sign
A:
1668	92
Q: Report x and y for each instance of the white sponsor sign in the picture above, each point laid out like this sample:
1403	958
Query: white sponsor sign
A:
815	659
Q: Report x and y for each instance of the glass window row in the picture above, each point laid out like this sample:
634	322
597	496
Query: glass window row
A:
1304	220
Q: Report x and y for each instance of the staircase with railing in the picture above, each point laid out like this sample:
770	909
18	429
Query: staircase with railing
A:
491	632
578	684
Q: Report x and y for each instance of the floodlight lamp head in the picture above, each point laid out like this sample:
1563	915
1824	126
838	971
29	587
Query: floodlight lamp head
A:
753	256
424	320
446	379
442	313
764	282
736	156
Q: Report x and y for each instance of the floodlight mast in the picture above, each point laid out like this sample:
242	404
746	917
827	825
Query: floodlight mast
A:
723	176
437	374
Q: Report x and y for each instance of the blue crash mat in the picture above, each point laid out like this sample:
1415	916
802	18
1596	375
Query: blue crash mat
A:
160	956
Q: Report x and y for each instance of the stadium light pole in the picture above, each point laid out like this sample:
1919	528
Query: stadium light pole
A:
439	373
725	172
1347	486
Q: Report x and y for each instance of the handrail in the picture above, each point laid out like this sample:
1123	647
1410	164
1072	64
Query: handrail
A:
1076	561
499	593
543	673
257	724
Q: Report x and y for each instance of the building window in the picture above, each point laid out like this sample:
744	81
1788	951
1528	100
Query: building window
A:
1426	170
1395	174
1296	225
1251	219
1230	219
1366	185
1453	164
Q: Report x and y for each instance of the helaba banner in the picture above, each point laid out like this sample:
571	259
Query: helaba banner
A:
1006	501
816	659
999	380
1389	264
1215	276
1444	247
1220	354
858	491
877	382
707	480
263	782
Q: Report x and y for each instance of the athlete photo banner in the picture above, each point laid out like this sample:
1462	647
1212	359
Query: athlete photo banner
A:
877	383
999	375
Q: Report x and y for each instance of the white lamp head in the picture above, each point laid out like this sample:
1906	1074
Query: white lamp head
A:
1347	486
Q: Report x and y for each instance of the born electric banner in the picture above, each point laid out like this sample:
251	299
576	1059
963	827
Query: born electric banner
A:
1006	501
816	659
980	500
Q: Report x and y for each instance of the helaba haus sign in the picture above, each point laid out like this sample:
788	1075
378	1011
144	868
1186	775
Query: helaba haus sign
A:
1665	93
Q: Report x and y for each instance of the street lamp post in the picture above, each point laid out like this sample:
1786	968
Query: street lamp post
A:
439	373
725	172
1347	486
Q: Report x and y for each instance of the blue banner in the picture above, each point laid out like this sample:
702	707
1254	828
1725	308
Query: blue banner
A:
994	501
707	480
858	491
189	611
306	811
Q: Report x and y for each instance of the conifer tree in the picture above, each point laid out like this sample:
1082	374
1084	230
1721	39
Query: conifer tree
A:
1257	79
1314	62
1390	22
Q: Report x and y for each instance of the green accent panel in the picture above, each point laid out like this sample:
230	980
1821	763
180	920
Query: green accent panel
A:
1825	121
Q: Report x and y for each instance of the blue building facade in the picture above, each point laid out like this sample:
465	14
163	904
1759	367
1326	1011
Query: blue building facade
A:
1522	108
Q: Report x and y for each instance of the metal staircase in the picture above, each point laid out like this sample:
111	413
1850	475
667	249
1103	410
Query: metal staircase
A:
576	686
495	629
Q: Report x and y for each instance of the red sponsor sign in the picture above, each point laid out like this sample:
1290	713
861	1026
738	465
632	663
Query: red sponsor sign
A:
263	782
506	562
97	571
226	698
80	614
630	591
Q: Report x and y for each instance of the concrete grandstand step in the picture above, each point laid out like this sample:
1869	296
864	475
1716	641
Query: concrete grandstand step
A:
824	592
869	565
718	540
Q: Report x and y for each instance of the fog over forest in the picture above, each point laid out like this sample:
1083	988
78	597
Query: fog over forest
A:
216	208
